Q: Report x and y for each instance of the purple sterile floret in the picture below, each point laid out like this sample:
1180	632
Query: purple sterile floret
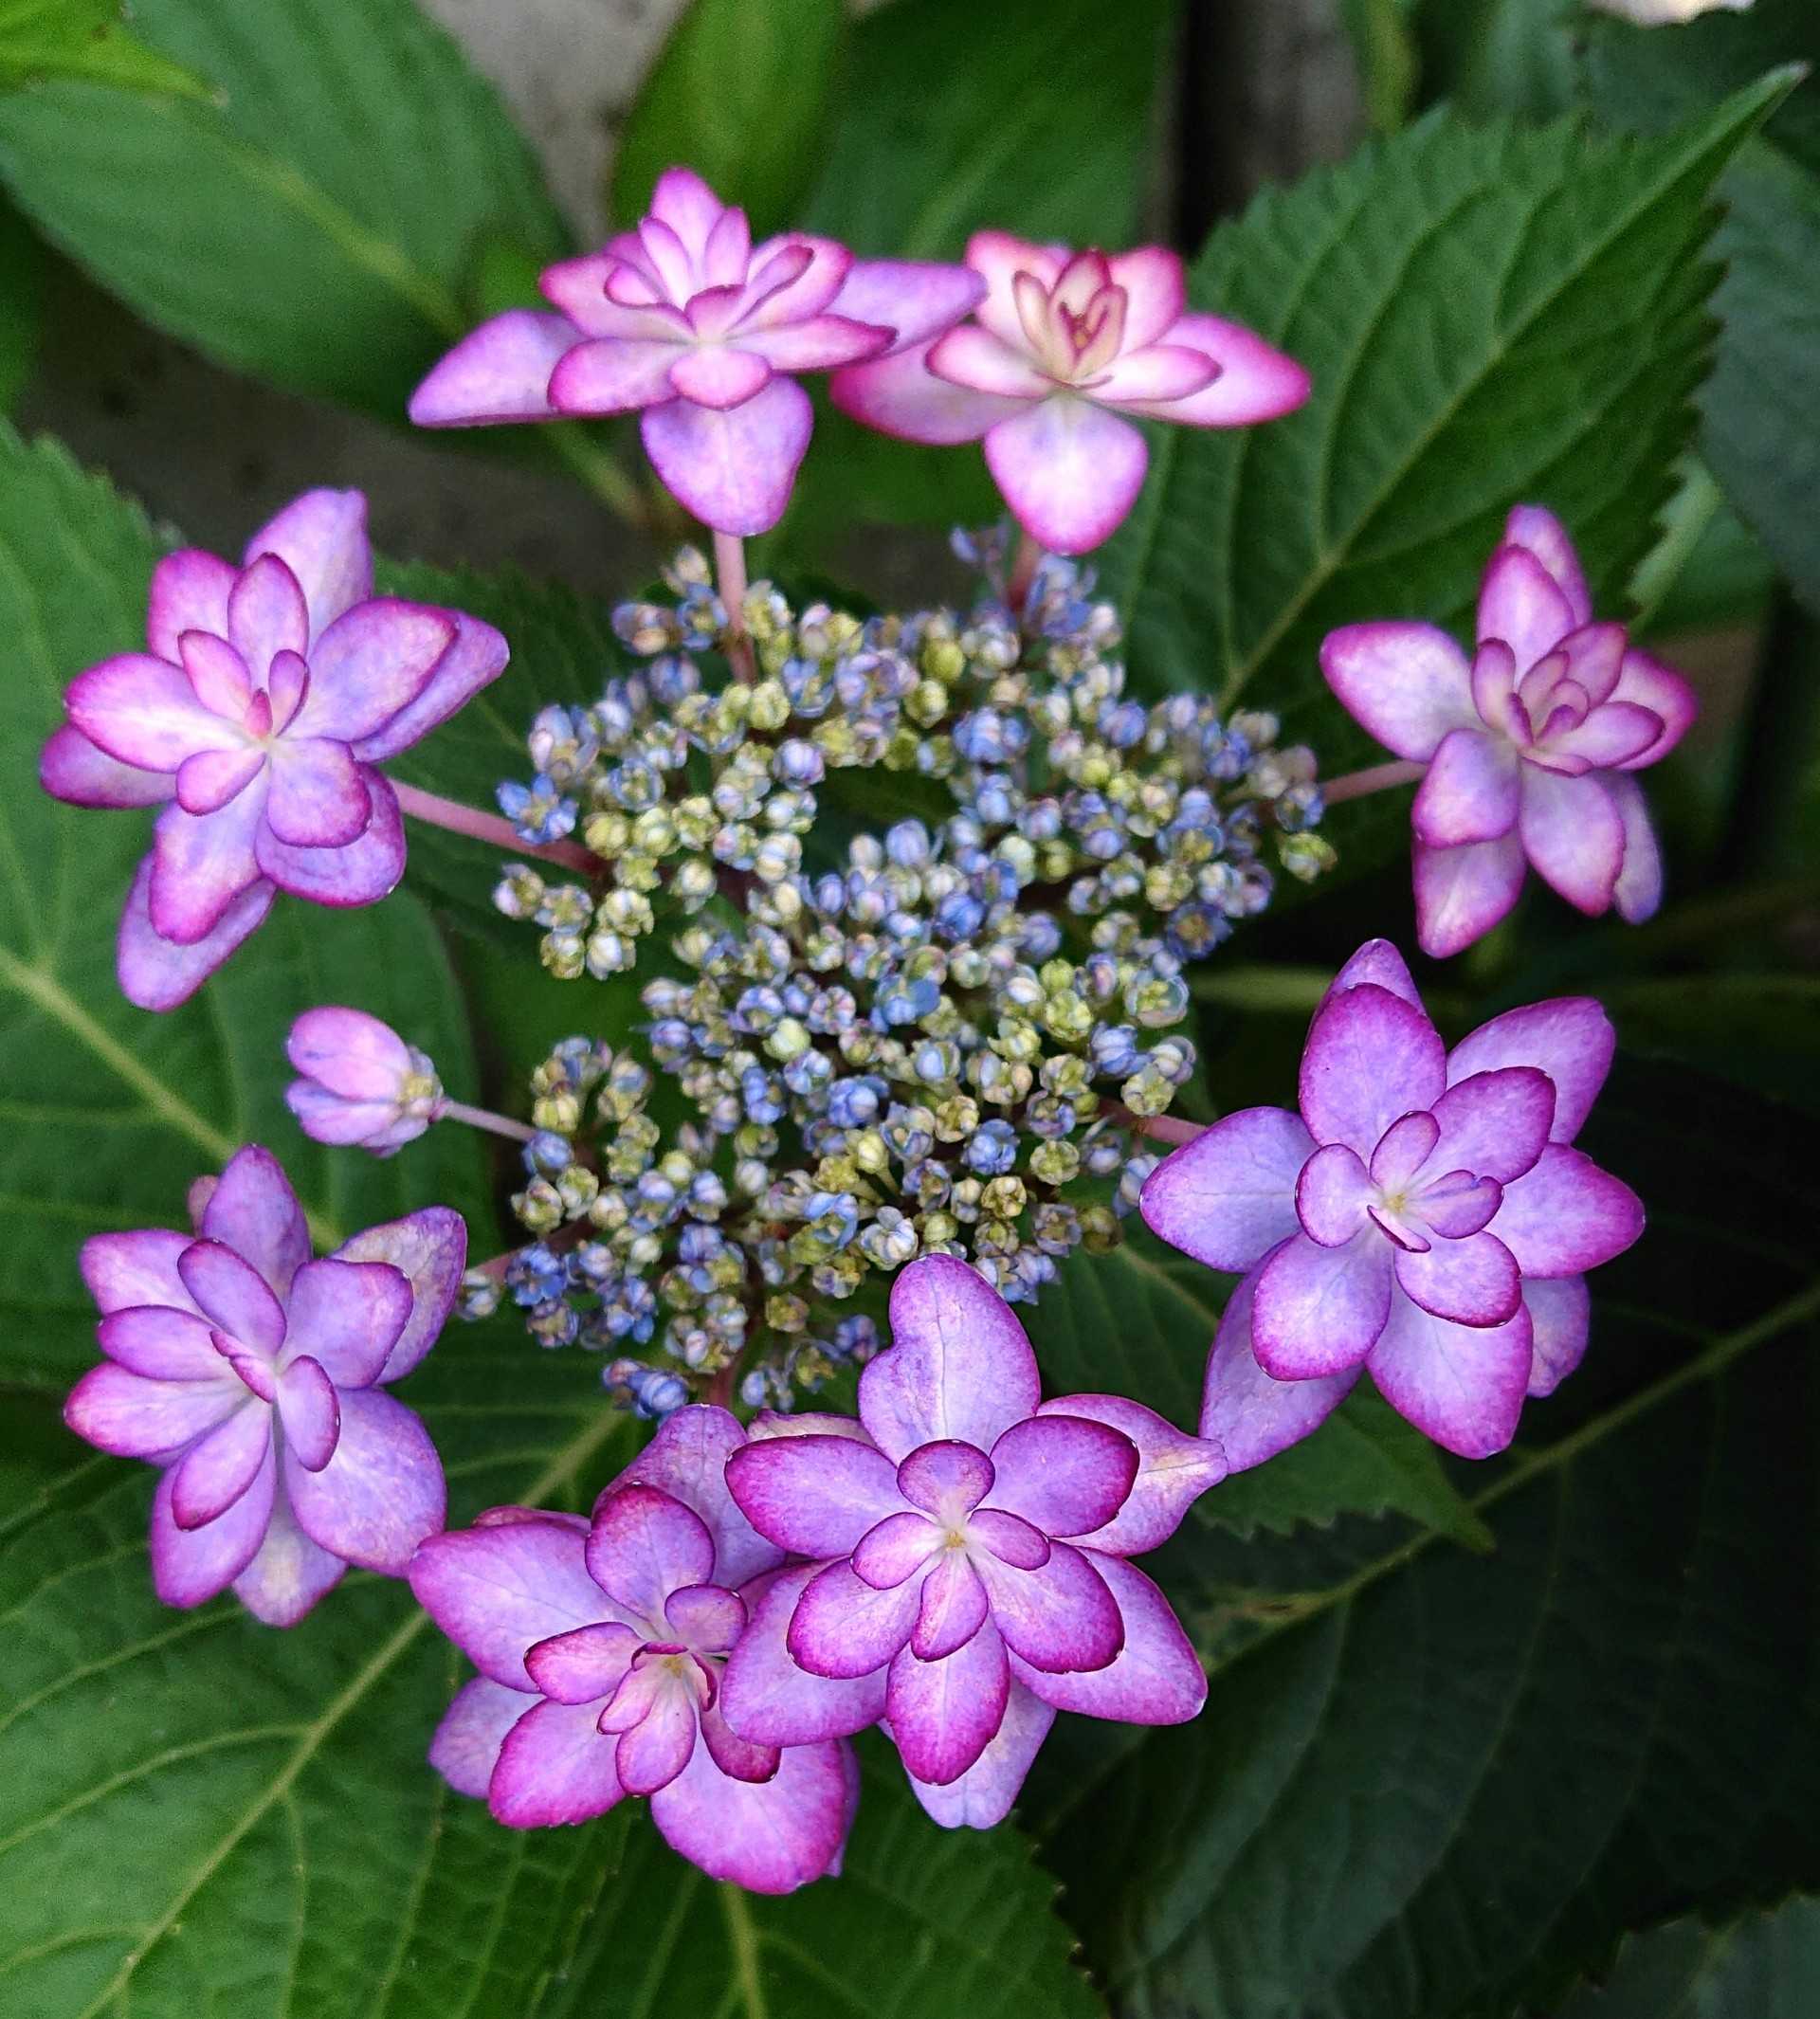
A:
1063	348
255	717
362	1083
253	1378
1423	1216
1531	746
603	1648
686	322
966	1543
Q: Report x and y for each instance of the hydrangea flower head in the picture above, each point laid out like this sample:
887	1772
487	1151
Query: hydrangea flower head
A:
968	1543
687	321
254	1377
266	697
1066	345
361	1083
602	1648
1425	1216
1531	746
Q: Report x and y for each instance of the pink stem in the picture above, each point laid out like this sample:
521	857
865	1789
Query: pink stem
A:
1167	1128
440	813
1374	778
730	574
485	1118
1029	557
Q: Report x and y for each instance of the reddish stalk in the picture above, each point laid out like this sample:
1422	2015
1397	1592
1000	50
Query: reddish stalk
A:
436	811
730	579
1374	778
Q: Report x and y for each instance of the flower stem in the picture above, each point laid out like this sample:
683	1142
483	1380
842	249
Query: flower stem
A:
730	578
1374	778
437	811
485	1118
1160	1128
1029	559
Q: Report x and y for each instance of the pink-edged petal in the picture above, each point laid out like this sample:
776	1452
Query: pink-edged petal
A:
1559	1314
1257	382
790	288
429	1248
818	343
1494	690
554	1767
1462	893
218	675
209	779
1332	1193
214	1473
190	590
1570	1039
687	1459
706	1618
683	202
381	1494
498	373
1174	1471
321	537
1370	1058
897	1548
1402	1150
812	1495
311	1411
145	712
917	300
770	1838
1649	684
1060	1617
267	613
1379	964
1494	1123
1070	471
289	1574
1151	379
945	1478
644	1545
158	973
1318	1310
733	470
1573	833
716	376
1609	736
499	1590
1459	1203
1522	602
1537	528
1229	1196
1154	1679
1567	1215
982	1797
200	864
466	1746
1404	683
122	1270
131	1416
350	1053
371	662
190	1565
960	1365
1637	894
1010	1538
657	1748
614	375
1154	294
254	1211
578	288
771	1699
740	1759
1460	1385
233	1294
1471	1281
1250	1414
160	1343
974	358
362	873
1065	1475
943	1715
899	396
1470	793
952	1608
318	796
72	769
475	660
998	259
842	1628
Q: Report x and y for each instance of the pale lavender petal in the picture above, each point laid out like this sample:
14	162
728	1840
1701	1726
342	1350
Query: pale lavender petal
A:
771	1699
161	1344
944	1478
716	376
476	659
1151	379
1520	602
430	1250
1333	1191
1458	1204
499	1590
998	259
1257	382
554	1767
466	1746
1174	1471
960	1365
1229	1196
644	1545
1060	1617
1155	1677
363	872
231	1293
578	288
1370	1058
973	357
1574	834
1155	292
1637	894
79	772
1470	793
687	1459
817	343
1610	735
733	470
190	1565
1010	1538
943	1715
1659	689
769	1838
254	1211
809	286
190	591
842	1628
1462	893
706	1618
321	537
899	396
122	1270
615	375
1406	683
1069	471
1403	1149
382	1492
498	373
350	1053
268	614
1567	1216
145	712
916	299
896	1549
289	1572
952	1608
216	1470
371	662
1494	1123
657	1748
1560	1314
131	1416
348	1316
812	1495
1472	1281
158	973
1065	1475
982	1797
200	864
1318	1310
1462	1385
740	1759
209	779
1537	528
311	1411
1594	656
319	797
1250	1414
1379	963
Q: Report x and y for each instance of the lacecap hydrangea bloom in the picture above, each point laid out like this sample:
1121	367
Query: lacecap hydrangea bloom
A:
1424	1217
257	717
603	1649
1528	750
254	1379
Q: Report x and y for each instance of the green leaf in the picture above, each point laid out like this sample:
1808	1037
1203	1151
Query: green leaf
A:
1488	57
41	39
1707	571
1447	1785
1488	316
317	224
1384	41
22	271
1767	1967
740	93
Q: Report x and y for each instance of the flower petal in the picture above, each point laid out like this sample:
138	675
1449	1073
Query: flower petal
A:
1058	1617
943	1715
1155	379
768	1837
998	259
498	1591
158	973
1318	1310
1570	1039
974	358
122	1270
616	375
201	863
842	1628
1649	684
740	1759
945	1477
1522	602
1154	295
190	1565
1459	1203
960	1365
1637	894
1370	1058
161	1344
371	662
1229	1196
1407	684
1377	962
897	1548
1567	1215
817	343
1155	1677
578	288
190	590
289	1574
1249	1413
475	660
1256	382
1537	528
321	537
362	873
381	1494
466	1746
1494	1123
1333	1191
733	470
144	712
1065	1475
655	1750
982	1797
1070	471
268	614
1174	1471
72	769
1460	1385
899	396
233	1294
1574	834
1462	893
771	1699
131	1416
644	1545
318	796
499	372
311	1411
687	1459
1472	1281
917	300
350	1053
1610	735
554	1767
215	1471
812	1495
1010	1538
717	375
254	1211
209	779
1559	1314
1470	793
952	1608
